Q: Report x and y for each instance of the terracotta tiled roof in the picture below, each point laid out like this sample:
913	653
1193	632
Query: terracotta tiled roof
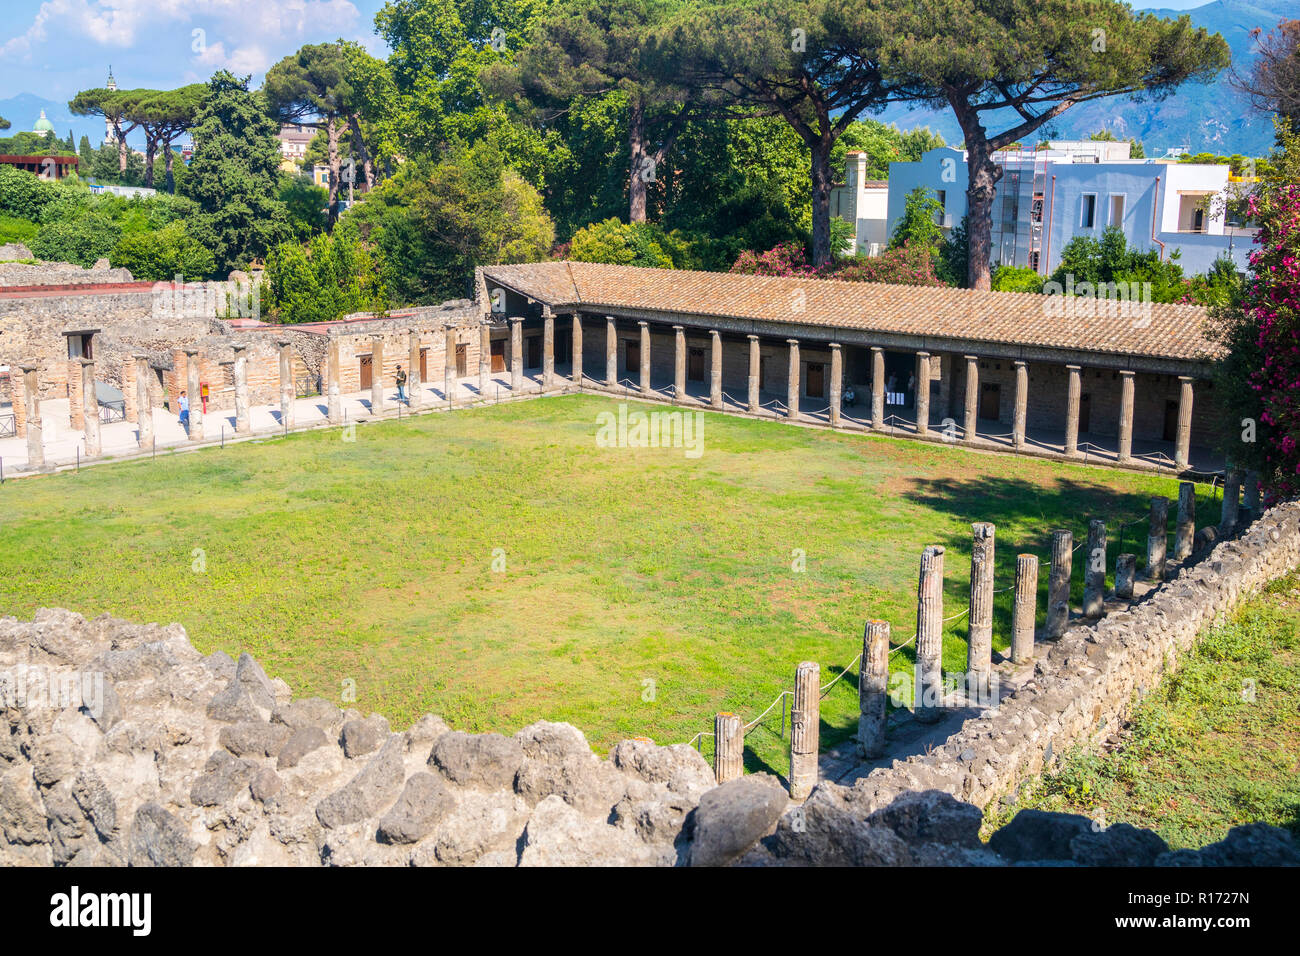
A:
1008	318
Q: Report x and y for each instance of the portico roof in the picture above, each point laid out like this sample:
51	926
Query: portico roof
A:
965	317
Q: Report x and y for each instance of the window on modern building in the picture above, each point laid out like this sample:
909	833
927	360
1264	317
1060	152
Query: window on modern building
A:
942	195
1117	209
1088	219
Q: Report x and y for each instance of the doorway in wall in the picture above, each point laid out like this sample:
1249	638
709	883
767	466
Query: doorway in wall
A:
816	380
367	371
990	406
498	355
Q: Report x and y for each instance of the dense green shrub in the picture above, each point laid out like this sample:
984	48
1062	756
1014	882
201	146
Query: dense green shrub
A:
163	254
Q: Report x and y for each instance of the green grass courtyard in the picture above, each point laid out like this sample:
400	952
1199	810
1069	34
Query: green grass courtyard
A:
497	566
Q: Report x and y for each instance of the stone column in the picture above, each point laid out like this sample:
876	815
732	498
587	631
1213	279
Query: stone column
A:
377	375
1231	500
1157	538
754	368
334	371
449	383
645	357
837	373
287	391
929	637
715	369
728	747
548	351
193	394
575	362
792	383
90	417
243	418
516	354
414	384
1183	438
32	408
1025	609
1073	395
1125	573
877	387
873	689
679	363
805	729
1125	416
1022	406
972	397
922	393
1058	583
611	352
979	641
143	403
484	360
1094	571
1185	533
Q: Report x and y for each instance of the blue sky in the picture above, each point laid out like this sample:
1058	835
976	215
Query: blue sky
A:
53	48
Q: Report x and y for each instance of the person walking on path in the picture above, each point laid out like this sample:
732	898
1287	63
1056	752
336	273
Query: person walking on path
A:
401	384
185	412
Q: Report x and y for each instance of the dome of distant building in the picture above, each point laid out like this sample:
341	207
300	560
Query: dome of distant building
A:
43	126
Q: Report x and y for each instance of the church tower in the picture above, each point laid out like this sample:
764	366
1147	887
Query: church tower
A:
109	138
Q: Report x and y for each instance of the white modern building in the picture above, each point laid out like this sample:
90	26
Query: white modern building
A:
1048	196
863	202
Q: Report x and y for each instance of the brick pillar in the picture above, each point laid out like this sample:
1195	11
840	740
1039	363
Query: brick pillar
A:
1094	571
91	417
1074	391
449	364
792	386
1022	406
1125	416
873	689
1125	573
18	402
1058	583
576	348
728	747
1185	532
877	387
1025	609
377	375
484	360
611	352
1157	538
333	371
414	384
129	410
972	397
194	394
715	369
755	403
548	351
1183	437
516	354
837	373
243	421
32	415
929	637
143	400
979	641
288	393
922	393
76	402
645	357
679	362
805	729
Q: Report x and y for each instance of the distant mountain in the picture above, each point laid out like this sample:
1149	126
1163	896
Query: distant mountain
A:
23	110
1209	117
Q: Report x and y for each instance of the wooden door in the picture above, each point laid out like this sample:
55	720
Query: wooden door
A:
367	377
632	361
816	380
990	401
462	361
695	365
498	355
1085	413
424	365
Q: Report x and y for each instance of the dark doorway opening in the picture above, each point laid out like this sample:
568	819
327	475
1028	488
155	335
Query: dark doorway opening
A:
816	380
990	407
1085	412
632	358
1171	421
695	365
534	346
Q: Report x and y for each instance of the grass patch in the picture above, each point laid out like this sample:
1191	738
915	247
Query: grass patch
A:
643	591
1216	745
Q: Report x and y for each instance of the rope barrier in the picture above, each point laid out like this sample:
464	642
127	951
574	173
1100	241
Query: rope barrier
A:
825	690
